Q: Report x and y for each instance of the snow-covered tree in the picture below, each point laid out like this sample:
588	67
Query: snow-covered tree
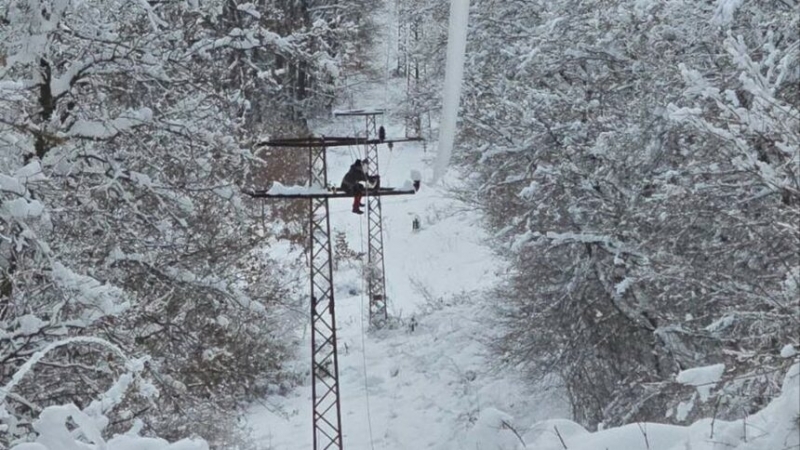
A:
125	130
422	39
641	159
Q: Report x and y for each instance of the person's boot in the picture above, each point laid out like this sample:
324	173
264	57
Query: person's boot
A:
356	210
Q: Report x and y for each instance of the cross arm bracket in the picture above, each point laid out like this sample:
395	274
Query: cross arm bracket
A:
382	192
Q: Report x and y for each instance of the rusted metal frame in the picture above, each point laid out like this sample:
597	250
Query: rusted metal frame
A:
325	400
378	284
325	412
359	112
333	440
303	143
370	193
327	424
376	271
327	341
332	444
375	231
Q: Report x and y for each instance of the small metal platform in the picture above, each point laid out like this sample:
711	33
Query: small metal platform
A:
359	112
383	192
329	141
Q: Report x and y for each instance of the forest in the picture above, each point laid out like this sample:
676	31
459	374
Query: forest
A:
636	164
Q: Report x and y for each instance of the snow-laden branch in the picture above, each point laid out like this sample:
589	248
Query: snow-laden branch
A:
68	427
25	368
61	84
98	299
606	242
245	40
215	283
107	129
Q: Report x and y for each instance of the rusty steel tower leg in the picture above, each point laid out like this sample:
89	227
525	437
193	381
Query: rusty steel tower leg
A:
324	360
376	276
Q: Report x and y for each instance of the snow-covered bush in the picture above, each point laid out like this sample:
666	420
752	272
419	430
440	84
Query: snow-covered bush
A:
773	427
67	427
638	165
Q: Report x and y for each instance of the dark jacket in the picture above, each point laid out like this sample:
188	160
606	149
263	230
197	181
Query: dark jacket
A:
353	176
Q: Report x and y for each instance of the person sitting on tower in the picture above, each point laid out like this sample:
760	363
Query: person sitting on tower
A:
356	181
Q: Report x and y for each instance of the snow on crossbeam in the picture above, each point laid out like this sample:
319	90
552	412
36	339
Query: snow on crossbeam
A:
359	112
331	141
280	189
382	192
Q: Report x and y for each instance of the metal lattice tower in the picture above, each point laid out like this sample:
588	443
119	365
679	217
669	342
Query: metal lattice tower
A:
324	358
376	270
327	414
